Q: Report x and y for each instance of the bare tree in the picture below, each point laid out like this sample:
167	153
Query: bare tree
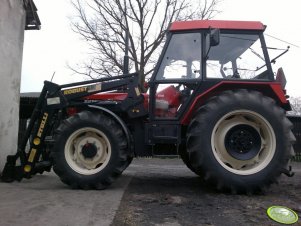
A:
103	24
296	106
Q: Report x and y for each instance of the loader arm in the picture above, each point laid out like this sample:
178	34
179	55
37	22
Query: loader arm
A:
52	100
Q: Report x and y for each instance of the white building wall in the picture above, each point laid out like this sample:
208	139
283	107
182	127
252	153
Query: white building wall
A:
12	23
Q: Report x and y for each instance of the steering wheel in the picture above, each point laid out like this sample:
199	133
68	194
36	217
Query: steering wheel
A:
178	87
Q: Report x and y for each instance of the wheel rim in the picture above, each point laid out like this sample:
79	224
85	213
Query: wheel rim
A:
88	151
243	142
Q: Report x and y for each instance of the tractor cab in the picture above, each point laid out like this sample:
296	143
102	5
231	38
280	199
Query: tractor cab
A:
200	59
200	53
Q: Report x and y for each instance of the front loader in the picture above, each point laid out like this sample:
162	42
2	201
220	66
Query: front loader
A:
213	99
52	107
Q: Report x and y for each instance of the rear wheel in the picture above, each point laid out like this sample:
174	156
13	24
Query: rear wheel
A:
240	141
90	151
185	158
243	141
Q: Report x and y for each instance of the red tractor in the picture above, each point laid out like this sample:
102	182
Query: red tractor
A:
213	99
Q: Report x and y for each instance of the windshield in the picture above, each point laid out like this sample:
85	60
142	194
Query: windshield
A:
237	56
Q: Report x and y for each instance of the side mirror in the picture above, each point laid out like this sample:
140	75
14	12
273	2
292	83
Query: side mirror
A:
214	37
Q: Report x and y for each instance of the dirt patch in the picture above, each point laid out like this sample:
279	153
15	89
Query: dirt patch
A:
164	192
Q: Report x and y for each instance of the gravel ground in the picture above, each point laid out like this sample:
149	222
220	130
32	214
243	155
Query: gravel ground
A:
165	192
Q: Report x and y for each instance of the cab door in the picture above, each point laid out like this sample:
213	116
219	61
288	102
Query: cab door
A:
172	86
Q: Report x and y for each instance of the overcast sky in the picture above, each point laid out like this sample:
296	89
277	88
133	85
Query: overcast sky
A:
50	49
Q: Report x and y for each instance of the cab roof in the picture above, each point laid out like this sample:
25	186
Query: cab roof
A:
221	24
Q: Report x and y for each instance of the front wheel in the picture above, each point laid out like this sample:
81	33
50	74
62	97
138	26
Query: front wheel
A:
240	141
90	151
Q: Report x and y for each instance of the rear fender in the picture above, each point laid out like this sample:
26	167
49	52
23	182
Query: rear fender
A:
270	89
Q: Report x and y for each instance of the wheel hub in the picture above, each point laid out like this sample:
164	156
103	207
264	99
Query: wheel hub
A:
89	150
243	142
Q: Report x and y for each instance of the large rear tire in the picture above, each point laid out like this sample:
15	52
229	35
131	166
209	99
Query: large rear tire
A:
90	151
185	158
240	141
